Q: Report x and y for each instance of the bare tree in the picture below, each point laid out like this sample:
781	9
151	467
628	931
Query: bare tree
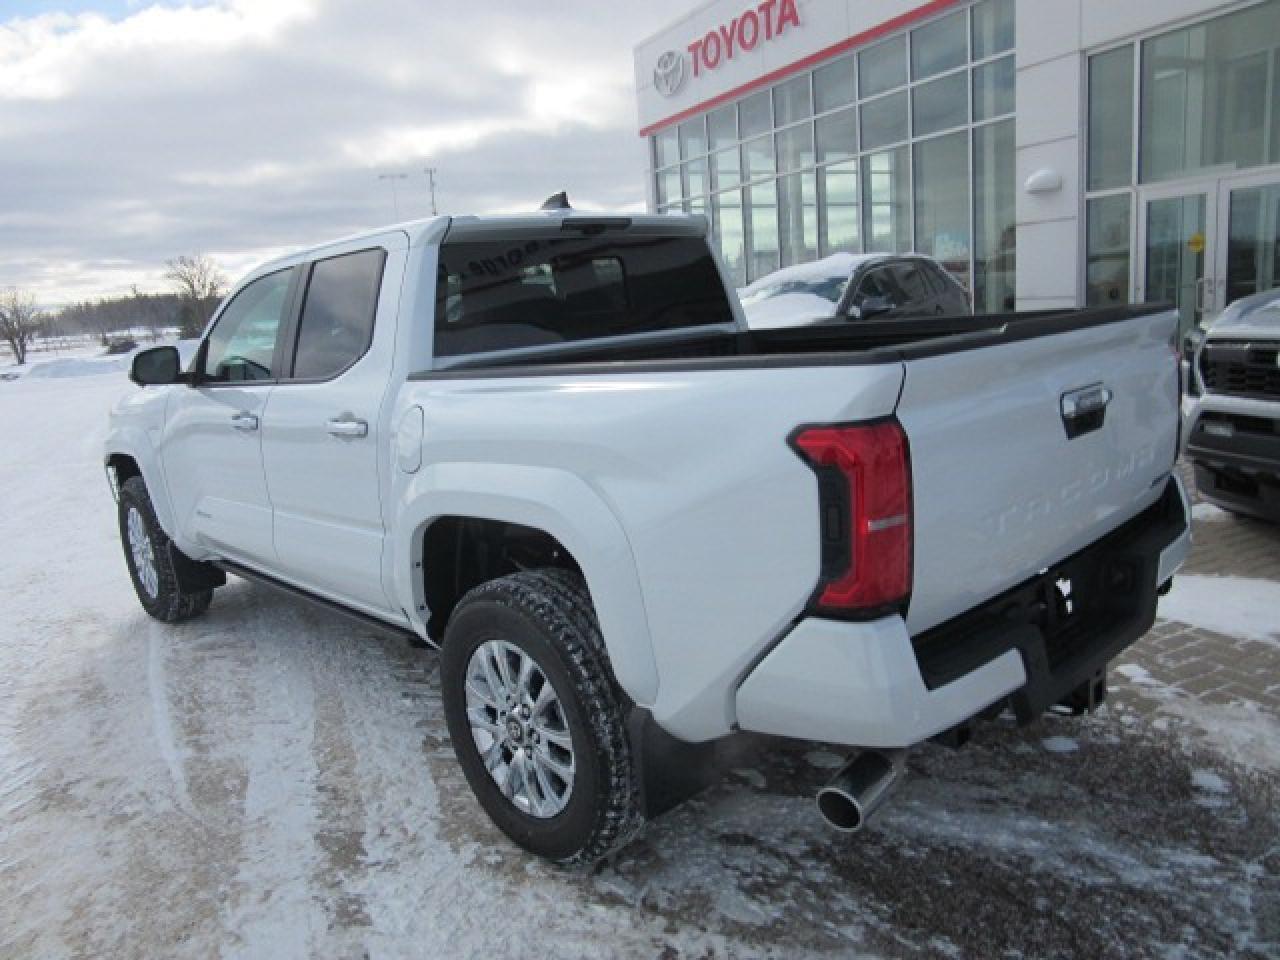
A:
19	320
199	283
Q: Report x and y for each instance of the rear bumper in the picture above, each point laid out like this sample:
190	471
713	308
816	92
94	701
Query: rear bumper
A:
873	685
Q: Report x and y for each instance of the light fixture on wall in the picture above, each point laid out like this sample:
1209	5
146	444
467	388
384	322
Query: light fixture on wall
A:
1043	180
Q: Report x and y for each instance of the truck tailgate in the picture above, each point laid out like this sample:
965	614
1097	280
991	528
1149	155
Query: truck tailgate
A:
1005	483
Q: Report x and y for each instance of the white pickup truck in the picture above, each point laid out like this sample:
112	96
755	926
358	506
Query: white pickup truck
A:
549	445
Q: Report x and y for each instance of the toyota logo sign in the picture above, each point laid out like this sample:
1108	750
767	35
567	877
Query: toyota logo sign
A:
668	75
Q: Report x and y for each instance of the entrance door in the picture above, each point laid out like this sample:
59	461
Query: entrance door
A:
1176	230
1248	236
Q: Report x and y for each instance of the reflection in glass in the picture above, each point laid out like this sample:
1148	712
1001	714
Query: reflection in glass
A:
882	67
886	201
795	147
884	121
837	135
798	217
727	168
942	202
693	138
1204	94
722	126
940	105
838	185
995	253
993	28
1175	255
733	247
695	178
755	115
666	150
833	84
993	89
938	46
791	101
1253	241
763	226
669	186
1107	251
1111	118
757	158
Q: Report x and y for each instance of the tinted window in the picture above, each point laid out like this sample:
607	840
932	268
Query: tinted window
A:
505	294
879	283
910	281
337	315
242	344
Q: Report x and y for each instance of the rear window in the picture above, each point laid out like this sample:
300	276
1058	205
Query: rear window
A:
544	290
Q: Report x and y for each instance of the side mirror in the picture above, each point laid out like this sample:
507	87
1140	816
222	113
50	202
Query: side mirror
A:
159	365
873	307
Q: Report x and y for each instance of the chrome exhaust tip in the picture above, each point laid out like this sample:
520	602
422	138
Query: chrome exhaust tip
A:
859	788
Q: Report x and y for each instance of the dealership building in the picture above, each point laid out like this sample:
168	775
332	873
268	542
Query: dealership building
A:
1049	153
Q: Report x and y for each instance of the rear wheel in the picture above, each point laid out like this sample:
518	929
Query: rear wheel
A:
536	719
147	554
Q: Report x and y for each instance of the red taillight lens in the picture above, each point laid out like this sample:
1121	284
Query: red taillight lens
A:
866	514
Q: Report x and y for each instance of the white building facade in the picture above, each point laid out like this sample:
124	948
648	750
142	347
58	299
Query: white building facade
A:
1050	153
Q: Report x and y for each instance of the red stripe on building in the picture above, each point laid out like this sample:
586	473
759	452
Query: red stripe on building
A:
857	40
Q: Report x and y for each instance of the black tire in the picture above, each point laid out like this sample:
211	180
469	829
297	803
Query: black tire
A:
168	604
548	615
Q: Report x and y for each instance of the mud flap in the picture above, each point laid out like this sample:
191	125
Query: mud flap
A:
194	576
669	771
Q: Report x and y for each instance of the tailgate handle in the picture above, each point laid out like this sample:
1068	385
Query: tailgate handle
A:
1085	409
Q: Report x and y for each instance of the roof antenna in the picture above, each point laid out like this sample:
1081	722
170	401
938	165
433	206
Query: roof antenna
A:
557	201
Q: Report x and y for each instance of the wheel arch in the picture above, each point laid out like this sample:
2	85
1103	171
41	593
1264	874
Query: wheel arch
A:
128	453
559	518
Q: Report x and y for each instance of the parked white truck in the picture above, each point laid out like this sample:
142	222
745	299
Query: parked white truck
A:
549	445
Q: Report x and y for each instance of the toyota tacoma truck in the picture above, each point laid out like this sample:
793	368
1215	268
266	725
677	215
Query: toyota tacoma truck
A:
549	446
1234	436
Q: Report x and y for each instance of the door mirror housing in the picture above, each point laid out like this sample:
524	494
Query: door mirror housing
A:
157	366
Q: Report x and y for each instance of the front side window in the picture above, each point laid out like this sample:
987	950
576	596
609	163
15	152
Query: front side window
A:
241	347
337	314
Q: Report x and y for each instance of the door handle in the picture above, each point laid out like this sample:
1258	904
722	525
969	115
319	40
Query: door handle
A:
244	421
347	426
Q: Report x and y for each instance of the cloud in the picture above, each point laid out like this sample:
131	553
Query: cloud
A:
245	127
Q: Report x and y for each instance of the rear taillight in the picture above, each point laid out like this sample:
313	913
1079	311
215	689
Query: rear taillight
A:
864	487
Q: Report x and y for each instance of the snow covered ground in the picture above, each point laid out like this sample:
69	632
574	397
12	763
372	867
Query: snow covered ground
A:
269	781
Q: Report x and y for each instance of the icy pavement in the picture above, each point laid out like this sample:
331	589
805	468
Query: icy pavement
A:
268	782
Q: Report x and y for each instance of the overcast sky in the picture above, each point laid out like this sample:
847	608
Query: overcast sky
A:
131	132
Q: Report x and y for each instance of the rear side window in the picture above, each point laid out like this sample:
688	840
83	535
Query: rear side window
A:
543	290
337	314
242	344
910	282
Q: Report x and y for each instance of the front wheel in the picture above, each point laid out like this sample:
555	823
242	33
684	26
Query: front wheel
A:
536	718
147	554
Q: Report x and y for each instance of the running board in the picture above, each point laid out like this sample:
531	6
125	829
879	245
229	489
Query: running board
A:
366	619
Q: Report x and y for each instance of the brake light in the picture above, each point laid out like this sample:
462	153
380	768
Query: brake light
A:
864	483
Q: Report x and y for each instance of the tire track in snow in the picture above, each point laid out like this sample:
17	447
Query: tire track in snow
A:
162	720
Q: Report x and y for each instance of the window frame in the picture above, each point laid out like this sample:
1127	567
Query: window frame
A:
278	353
299	305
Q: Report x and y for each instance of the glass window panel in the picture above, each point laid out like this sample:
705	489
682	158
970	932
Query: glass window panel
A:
669	189
722	125
791	101
1275	112
1174	262
993	28
733	246
1111	118
884	121
757	158
798	217
995	254
886	201
942	202
242	344
837	135
693	137
666	150
938	46
763	221
726	167
1253	241
695	178
993	89
833	84
755	116
795	147
1204	94
882	67
336	325
1107	251
840	227
941	104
